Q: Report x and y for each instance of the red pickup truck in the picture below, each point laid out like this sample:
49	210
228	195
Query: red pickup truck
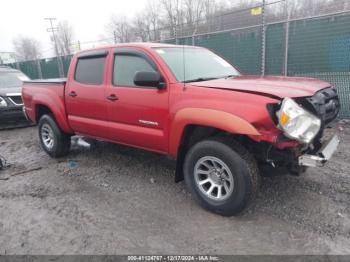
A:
223	128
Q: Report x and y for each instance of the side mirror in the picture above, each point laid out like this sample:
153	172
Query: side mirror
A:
150	79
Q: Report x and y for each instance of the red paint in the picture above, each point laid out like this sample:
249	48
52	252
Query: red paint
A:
235	105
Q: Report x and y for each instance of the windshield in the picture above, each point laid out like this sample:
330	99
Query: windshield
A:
195	64
12	79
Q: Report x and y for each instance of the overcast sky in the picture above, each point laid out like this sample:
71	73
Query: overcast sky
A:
88	18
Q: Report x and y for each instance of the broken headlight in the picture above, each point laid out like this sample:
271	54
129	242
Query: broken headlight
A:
296	122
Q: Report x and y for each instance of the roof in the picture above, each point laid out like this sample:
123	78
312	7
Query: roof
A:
147	45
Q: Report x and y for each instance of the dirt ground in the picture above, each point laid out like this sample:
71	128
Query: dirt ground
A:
110	199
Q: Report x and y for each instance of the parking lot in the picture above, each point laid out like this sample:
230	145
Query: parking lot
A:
110	199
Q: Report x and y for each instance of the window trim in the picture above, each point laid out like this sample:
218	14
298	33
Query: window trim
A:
137	53
93	54
90	55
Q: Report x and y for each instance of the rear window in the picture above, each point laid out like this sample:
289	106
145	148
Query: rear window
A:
12	79
90	70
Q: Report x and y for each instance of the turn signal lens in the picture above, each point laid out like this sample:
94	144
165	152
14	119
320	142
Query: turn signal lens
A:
284	119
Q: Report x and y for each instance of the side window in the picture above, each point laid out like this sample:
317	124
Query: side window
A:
125	68
90	70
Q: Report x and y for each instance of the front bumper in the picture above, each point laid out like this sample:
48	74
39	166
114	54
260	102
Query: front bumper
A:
325	153
11	113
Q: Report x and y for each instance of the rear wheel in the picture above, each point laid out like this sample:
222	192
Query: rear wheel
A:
222	175
52	139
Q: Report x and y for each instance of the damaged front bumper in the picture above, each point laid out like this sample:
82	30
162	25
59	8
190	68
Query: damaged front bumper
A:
324	154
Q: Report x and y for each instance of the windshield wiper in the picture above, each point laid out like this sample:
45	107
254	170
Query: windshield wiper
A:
200	79
230	76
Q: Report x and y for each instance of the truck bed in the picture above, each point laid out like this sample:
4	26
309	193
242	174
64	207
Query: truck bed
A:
48	81
44	93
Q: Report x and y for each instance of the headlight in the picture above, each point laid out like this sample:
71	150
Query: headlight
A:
2	102
296	122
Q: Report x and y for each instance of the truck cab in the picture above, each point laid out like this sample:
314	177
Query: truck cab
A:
223	128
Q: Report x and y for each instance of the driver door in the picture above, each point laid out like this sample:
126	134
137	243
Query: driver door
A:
138	115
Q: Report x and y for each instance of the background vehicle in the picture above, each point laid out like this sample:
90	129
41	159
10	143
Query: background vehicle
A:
190	104
11	105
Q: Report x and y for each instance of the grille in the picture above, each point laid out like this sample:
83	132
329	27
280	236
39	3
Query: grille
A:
325	104
16	100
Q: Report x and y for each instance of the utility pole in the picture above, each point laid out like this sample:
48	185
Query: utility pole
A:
263	33
286	43
52	30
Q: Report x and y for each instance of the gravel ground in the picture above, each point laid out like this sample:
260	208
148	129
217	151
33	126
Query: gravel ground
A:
110	199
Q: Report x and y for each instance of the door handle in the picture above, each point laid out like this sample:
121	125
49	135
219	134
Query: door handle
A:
112	97
72	94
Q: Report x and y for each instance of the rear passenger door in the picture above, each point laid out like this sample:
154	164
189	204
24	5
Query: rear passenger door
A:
139	115
85	94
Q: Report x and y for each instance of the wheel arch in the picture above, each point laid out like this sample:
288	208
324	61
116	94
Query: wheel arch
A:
42	108
193	124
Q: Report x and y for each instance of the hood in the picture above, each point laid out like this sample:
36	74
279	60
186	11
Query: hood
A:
273	86
4	91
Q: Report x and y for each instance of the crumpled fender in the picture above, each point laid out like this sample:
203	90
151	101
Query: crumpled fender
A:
206	117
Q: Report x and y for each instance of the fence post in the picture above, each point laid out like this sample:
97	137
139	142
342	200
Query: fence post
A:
38	66
286	44
175	34
263	32
60	66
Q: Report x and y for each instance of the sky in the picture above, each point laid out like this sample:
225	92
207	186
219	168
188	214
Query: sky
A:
88	18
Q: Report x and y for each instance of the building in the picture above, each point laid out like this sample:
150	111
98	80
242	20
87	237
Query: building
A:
7	57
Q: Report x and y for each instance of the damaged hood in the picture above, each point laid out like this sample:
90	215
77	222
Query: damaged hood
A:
274	86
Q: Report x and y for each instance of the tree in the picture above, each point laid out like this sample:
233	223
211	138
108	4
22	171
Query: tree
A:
302	8
141	27
26	48
212	9
194	10
152	18
65	37
146	23
173	15
121	29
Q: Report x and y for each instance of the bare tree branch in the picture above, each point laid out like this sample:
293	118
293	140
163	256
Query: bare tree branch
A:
65	37
121	29
26	48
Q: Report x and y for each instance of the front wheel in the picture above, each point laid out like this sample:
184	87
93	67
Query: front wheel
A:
222	175
52	139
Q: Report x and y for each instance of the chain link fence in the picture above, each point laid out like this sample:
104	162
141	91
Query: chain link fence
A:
268	38
44	68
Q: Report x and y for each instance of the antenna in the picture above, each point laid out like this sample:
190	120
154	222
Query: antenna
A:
184	67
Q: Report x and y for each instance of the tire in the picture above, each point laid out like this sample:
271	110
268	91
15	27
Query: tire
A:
239	178
53	140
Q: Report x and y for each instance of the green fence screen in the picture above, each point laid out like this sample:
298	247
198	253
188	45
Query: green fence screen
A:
317	47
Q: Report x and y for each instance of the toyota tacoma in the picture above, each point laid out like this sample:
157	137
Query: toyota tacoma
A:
223	128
